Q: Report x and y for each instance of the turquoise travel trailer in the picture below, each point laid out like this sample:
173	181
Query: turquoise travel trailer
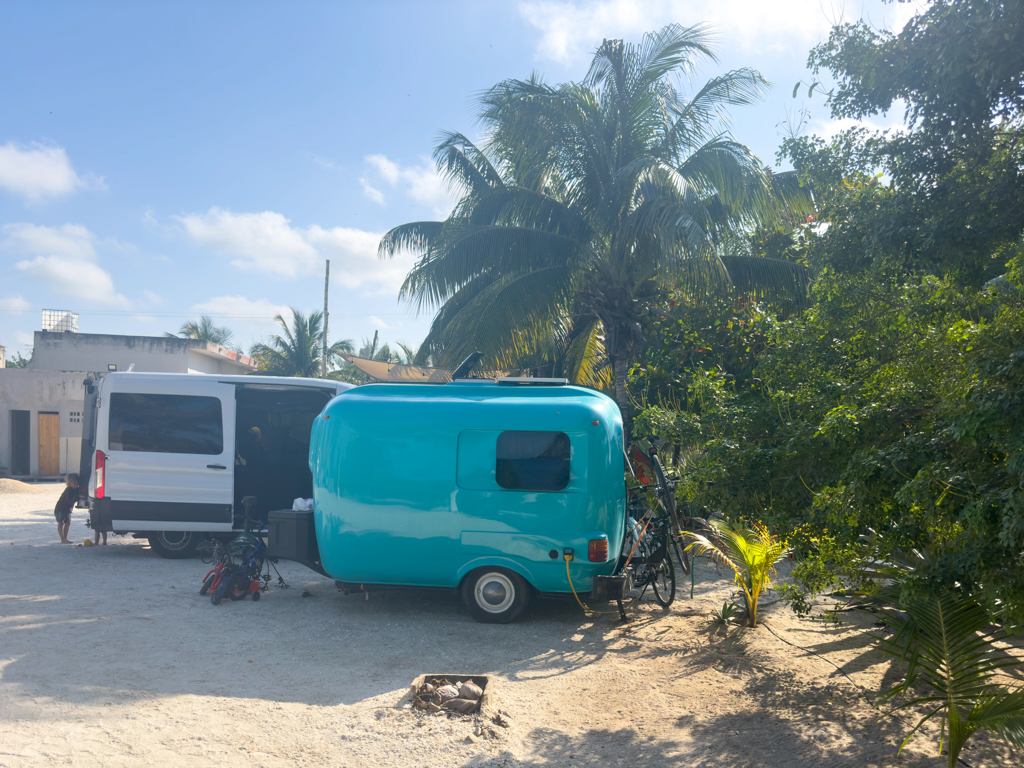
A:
481	485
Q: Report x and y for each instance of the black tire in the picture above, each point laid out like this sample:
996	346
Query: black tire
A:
175	545
684	559
238	585
495	595
256	596
663	581
208	583
222	588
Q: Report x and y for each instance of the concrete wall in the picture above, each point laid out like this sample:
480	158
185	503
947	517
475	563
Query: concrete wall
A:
155	354
48	392
204	361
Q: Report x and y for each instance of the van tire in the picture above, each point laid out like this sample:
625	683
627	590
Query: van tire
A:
495	595
175	545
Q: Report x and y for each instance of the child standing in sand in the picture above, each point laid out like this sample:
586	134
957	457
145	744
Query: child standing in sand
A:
65	505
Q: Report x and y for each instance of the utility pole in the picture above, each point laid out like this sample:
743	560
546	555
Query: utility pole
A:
327	284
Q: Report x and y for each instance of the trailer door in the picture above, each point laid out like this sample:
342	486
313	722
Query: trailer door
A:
171	454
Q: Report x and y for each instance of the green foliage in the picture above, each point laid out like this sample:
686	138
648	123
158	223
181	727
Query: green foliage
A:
728	613
17	361
897	409
751	553
588	202
892	408
299	351
205	329
944	643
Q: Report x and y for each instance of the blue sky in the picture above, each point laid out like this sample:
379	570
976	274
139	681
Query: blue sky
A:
163	160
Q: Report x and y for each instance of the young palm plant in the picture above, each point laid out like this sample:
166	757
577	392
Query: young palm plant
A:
943	640
751	553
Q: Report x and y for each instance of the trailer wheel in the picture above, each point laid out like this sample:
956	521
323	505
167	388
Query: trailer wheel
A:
175	545
495	595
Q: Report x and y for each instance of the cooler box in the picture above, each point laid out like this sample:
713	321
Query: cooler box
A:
291	536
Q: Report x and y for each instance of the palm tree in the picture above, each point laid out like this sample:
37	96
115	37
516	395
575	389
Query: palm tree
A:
751	553
587	202
299	351
206	330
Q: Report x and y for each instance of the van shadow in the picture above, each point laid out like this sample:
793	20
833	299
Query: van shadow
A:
92	625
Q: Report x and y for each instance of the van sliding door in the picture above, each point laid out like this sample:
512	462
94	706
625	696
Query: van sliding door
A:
170	464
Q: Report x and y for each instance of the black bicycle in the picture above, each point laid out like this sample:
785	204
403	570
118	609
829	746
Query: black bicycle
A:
646	552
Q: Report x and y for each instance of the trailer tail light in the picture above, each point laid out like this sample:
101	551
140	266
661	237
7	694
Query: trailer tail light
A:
101	463
597	550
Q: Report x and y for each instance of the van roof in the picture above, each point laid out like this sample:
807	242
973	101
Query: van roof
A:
279	381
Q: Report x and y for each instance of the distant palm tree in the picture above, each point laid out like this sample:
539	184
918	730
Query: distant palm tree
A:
204	329
587	204
299	351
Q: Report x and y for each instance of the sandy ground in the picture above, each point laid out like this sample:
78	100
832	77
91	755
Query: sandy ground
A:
109	657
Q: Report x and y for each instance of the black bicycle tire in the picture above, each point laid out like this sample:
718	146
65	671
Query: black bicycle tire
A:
666	563
685	563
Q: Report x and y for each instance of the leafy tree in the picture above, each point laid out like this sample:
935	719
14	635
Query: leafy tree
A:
206	330
589	202
892	407
17	361
298	352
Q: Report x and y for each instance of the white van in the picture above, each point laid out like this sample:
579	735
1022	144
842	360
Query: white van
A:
169	456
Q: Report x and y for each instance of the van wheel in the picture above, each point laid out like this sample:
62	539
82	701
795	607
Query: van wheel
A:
175	545
495	595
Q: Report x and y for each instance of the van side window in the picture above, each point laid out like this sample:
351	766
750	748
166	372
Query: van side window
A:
166	424
532	461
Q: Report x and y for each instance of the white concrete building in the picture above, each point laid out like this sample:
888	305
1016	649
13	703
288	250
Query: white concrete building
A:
41	405
155	354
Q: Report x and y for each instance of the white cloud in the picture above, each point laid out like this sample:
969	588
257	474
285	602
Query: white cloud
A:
570	31
153	298
372	192
246	317
376	322
24	339
268	242
13	305
65	260
265	241
420	182
240	308
892	122
40	171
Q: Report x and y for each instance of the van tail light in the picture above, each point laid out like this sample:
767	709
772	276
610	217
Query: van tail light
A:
101	464
597	550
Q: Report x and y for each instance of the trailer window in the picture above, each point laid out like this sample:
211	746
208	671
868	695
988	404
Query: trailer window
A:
532	461
166	424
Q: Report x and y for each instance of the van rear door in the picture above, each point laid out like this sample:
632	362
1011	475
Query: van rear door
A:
171	454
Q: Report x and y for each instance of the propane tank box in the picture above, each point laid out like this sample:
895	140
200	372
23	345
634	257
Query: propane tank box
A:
291	535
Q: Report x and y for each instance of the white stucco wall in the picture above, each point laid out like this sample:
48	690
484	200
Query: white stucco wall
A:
151	354
48	392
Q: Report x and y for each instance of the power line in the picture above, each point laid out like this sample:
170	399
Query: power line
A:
133	313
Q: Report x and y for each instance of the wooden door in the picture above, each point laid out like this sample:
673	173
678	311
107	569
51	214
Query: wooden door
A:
49	444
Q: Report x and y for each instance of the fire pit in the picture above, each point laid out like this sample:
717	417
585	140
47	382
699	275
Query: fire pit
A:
458	694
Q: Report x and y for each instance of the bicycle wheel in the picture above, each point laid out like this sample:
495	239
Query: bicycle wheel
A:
238	585
663	580
208	583
681	556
